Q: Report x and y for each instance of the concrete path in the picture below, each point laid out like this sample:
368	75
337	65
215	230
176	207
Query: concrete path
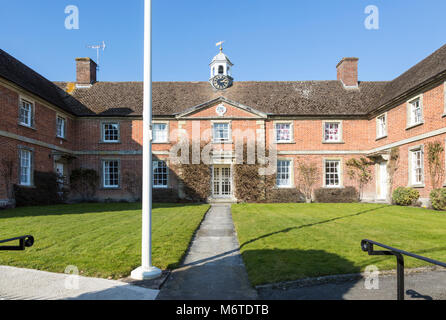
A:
213	268
24	284
429	285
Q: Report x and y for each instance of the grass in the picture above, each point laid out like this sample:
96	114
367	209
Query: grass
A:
281	242
101	240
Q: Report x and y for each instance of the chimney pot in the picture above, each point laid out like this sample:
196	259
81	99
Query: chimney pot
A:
347	70
85	71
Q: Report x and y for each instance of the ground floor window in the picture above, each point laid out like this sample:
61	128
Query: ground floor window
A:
417	174
332	173
283	173
160	174
111	173
26	158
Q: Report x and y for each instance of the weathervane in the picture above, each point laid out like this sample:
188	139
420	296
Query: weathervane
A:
220	44
98	47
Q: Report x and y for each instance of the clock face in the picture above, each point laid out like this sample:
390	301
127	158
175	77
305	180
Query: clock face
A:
221	82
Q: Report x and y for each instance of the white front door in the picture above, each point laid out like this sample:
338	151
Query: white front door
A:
221	181
382	181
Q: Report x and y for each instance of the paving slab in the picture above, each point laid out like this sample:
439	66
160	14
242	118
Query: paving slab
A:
213	268
25	284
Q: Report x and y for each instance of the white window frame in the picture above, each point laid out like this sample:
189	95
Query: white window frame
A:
410	112
103	124
278	123
290	174
30	167
413	153
229	131
380	131
166	179
30	121
106	184
339	173
340	133
64	127
166	138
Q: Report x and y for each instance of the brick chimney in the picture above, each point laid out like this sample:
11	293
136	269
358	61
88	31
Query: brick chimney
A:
348	72
85	71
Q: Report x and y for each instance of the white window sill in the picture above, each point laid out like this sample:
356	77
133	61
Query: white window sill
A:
417	186
110	142
160	187
285	187
333	142
414	125
27	126
333	187
160	142
222	142
380	138
286	142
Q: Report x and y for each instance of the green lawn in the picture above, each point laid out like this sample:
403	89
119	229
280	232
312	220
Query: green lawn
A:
281	242
102	240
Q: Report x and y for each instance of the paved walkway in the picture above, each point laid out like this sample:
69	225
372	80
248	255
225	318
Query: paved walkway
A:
24	284
213	268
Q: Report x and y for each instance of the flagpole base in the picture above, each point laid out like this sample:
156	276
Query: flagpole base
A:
142	273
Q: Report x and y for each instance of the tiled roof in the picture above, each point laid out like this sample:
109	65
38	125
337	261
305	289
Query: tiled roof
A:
300	98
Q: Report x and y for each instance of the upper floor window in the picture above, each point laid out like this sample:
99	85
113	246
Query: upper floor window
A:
381	126
26	167
332	132
221	132
26	113
160	132
160	174
332	173
60	127
283	132
110	132
111	172
417	166
415	112
283	178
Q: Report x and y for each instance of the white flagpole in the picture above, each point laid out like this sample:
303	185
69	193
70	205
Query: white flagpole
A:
146	270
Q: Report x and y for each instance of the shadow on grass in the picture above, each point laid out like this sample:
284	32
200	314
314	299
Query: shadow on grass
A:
311	225
82	208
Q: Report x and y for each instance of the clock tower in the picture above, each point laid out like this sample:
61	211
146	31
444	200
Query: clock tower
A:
221	71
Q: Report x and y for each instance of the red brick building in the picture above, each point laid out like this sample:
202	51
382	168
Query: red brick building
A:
46	126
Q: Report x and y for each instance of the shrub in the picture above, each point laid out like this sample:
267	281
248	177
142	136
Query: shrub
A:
336	195
285	196
405	196
45	192
85	182
438	199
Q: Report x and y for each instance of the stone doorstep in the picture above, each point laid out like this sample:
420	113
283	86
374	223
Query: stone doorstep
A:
309	282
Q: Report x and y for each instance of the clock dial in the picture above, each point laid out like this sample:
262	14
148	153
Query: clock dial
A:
221	82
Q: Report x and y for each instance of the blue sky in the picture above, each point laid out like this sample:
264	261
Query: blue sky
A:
266	40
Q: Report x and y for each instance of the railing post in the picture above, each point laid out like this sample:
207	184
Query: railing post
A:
400	275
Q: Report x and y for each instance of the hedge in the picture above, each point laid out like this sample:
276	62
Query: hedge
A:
336	195
405	196
438	199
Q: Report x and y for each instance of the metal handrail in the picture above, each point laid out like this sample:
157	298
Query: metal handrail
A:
367	246
24	242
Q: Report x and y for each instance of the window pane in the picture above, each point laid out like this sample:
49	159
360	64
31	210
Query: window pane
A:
25	167
332	178
332	133
111	132
221	132
160	174
283	132
283	173
160	132
111	174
